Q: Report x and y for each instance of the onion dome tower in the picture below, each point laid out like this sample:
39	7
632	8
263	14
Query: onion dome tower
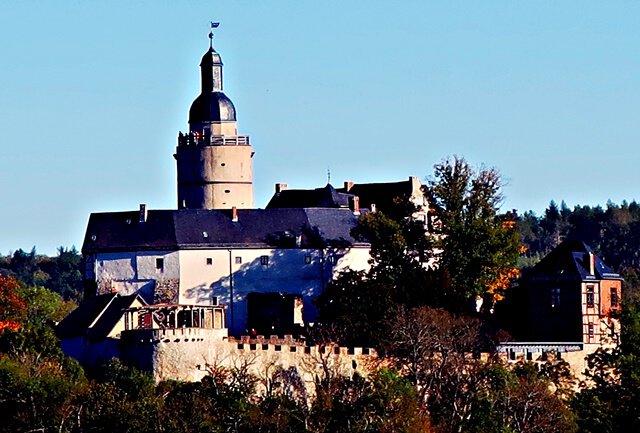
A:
214	163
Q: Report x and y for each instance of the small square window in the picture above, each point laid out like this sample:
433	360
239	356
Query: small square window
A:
307	259
238	260
160	264
264	260
209	261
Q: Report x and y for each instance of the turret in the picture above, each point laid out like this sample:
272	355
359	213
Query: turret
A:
214	163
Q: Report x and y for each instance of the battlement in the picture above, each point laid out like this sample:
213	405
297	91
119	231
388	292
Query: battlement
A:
288	344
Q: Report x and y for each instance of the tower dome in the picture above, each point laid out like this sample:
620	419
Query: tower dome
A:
212	107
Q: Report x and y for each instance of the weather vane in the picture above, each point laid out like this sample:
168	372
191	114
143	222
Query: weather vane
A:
214	25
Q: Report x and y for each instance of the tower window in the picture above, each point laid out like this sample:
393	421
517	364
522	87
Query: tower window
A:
238	260
160	264
591	296
223	164
227	191
264	260
209	261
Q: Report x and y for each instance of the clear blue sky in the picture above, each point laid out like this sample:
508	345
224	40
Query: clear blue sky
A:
94	93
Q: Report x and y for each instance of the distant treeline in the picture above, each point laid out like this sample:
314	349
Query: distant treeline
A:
613	232
60	274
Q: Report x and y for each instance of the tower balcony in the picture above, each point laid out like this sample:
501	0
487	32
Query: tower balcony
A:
196	139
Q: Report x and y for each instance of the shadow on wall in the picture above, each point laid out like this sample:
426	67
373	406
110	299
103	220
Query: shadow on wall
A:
297	271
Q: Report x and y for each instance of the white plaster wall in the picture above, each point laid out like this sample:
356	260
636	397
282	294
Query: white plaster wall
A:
136	266
286	272
200	283
135	272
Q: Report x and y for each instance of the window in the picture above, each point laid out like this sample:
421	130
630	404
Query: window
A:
209	261
332	260
591	332
307	259
591	295
264	260
160	264
238	260
614	297
555	297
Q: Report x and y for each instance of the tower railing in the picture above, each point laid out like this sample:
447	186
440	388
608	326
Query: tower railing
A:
198	139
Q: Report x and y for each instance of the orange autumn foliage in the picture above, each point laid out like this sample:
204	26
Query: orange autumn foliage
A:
501	282
13	308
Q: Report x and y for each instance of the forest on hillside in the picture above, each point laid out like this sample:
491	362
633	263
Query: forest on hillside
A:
421	319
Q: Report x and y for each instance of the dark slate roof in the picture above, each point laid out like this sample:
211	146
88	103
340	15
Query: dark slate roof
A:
107	308
310	198
570	260
185	229
381	194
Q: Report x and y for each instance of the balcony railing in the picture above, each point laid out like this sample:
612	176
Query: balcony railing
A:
197	139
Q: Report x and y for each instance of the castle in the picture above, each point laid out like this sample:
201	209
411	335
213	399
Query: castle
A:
217	281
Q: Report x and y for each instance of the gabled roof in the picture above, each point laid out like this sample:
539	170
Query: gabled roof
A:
571	260
170	230
382	194
327	197
95	317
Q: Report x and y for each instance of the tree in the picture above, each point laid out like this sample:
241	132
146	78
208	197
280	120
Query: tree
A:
361	303
13	308
478	247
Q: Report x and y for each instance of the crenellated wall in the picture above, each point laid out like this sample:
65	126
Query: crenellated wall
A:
189	354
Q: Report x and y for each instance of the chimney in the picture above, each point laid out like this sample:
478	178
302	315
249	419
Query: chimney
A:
234	214
592	263
355	205
143	213
373	208
348	185
281	187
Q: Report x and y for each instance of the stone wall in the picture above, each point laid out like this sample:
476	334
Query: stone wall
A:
189	354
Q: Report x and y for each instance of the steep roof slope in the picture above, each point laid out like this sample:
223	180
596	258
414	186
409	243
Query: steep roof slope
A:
570	260
199	229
